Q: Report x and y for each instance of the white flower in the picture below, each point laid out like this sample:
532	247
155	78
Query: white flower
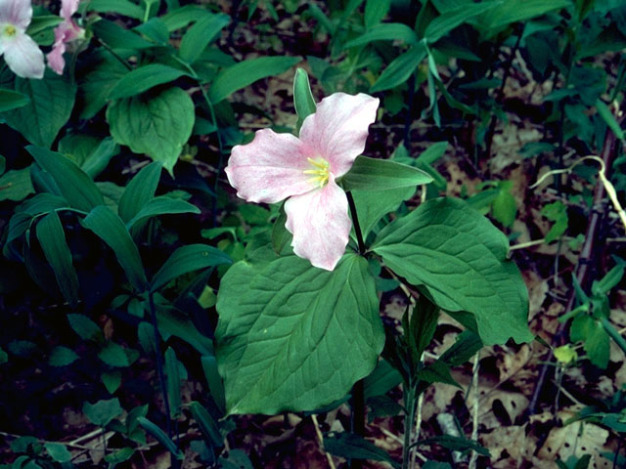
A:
21	53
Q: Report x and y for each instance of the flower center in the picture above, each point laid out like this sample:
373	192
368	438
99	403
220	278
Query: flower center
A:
320	171
9	30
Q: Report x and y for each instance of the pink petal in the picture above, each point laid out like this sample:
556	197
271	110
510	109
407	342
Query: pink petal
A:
338	129
320	225
270	168
16	12
23	56
68	8
56	61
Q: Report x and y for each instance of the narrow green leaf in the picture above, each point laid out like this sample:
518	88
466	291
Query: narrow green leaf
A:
172	322
58	452
160	436
214	381
302	97
173	383
201	35
143	78
98	159
385	32
183	16
375	11
123	7
187	259
282	326
510	11
400	69
117	37
74	184
140	191
247	72
158	126
162	206
85	327
51	237
459	259
208	426
50	105
351	446
375	174
110	228
608	117
62	356
10	100
449	20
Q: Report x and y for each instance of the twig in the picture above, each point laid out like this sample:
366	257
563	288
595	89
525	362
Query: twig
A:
475	369
320	439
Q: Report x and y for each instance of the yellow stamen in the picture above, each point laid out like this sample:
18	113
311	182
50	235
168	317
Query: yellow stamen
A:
321	171
9	30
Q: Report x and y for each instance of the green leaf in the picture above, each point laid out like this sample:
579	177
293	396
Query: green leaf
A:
140	191
62	356
117	37
99	158
187	259
143	78
51	238
214	380
110	228
385	32
201	35
58	452
245	73
351	446
208	426
183	16
375	11
123	7
10	100
157	125
371	206
50	107
374	174
302	97
112	380
400	69
283	325
16	185
104	73
119	456
85	327
459	260
102	412
162	206
172	322
160	436
607	116
114	355
173	383
73	183
596	340
449	20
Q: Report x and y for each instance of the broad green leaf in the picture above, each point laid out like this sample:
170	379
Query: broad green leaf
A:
104	73
385	32
123	7
459	260
291	336
58	452
155	30
157	125
245	73
114	355
187	259
351	446
302	97
400	69
375	11
50	106
73	183
173	383
51	238
16	185
112	380
376	174
62	356
85	327
117	37
449	20
102	412
40	24
140	191
371	206
110	228
10	100
143	78
162	205
201	35
595	338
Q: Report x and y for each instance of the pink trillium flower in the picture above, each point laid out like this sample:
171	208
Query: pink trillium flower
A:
304	170
21	53
65	32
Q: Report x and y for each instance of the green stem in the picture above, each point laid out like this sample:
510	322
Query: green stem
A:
358	417
355	222
410	405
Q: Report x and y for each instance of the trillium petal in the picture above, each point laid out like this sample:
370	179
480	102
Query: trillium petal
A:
338	129
23	56
16	12
68	8
270	168
320	225
56	61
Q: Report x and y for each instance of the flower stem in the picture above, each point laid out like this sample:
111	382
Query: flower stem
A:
355	222
410	405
